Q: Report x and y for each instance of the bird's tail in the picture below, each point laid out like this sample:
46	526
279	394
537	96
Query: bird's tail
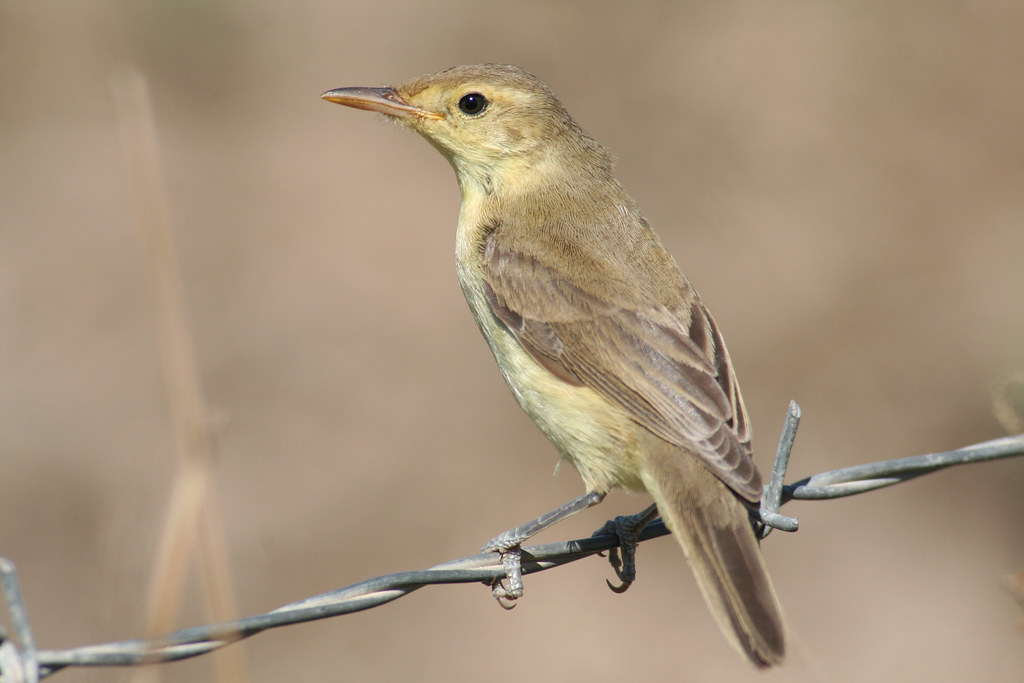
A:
713	527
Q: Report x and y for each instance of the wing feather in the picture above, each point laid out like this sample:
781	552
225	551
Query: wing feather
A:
663	362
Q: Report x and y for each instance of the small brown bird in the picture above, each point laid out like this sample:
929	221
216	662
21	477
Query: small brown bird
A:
601	338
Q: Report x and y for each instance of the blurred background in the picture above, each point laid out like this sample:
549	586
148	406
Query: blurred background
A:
844	183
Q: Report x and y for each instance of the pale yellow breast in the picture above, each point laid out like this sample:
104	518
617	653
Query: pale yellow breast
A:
596	437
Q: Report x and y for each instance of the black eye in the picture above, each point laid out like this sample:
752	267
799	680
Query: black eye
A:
474	103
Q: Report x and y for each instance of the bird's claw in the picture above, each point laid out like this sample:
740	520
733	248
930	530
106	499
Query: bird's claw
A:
623	558
621	588
616	562
509	588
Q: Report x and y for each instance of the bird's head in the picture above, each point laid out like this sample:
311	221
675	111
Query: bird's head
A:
491	121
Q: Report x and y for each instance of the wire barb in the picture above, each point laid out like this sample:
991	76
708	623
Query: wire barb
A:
771	500
26	668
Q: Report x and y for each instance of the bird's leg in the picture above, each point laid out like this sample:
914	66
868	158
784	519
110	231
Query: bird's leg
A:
506	591
627	529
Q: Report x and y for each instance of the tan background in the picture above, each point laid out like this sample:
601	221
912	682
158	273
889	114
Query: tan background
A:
844	182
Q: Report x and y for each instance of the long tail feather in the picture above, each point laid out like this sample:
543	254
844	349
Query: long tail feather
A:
713	527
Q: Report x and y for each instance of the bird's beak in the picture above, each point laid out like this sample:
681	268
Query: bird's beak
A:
382	100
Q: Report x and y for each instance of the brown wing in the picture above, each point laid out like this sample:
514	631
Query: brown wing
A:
668	369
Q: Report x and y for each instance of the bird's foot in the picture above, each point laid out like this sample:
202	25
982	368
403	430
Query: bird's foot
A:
627	529
508	544
509	588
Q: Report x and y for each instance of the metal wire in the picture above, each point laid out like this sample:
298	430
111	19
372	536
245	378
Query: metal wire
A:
21	663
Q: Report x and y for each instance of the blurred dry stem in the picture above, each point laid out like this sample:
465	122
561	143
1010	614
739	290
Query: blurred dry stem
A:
1008	403
1014	584
193	521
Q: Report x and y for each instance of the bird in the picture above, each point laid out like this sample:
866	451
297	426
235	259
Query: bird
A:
599	335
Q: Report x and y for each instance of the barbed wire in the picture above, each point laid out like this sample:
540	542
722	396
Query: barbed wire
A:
22	662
